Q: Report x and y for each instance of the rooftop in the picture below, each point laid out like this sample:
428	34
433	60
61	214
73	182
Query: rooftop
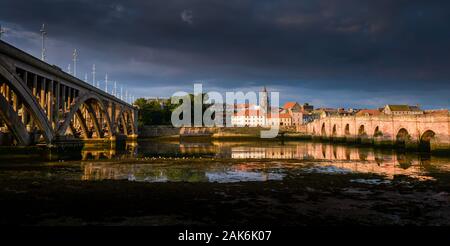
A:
370	112
289	105
402	107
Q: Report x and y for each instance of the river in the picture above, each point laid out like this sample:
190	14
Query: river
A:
326	173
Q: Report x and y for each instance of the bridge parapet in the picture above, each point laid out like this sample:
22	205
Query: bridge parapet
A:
40	103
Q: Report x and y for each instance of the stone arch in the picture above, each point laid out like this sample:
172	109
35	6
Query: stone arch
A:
334	132
26	96
425	140
87	100
362	135
323	131
347	130
402	137
362	131
377	132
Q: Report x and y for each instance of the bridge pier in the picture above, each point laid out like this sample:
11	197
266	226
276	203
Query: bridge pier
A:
382	142
6	137
351	139
338	139
440	144
71	142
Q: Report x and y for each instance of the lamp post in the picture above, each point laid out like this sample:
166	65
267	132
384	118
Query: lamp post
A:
93	75
1	31
75	56
43	36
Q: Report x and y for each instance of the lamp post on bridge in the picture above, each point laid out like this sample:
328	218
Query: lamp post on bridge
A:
106	83
115	89
2	30
43	35
75	56
93	75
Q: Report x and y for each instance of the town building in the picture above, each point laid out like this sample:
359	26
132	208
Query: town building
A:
291	114
282	119
402	110
292	107
306	108
368	112
249	118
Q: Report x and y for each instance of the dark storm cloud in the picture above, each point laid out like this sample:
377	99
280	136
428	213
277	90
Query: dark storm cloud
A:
368	52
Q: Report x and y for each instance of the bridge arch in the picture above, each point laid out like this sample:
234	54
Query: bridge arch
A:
87	100
323	131
425	140
362	131
362	134
347	130
334	133
41	102
23	93
377	132
402	137
13	123
124	122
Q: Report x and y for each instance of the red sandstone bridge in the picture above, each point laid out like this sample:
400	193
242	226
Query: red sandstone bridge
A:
39	103
425	131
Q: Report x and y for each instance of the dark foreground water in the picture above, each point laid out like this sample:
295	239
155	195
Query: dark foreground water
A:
173	183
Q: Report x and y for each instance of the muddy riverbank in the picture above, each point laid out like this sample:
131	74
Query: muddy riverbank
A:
302	198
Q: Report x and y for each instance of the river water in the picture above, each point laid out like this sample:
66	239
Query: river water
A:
224	183
226	162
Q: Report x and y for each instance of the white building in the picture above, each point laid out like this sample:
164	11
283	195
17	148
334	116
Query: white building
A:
250	118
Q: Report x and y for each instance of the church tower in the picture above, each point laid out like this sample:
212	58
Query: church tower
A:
264	101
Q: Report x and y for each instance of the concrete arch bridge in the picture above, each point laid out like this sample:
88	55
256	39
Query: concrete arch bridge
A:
39	103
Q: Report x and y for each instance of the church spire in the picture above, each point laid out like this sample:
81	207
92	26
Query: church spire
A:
264	100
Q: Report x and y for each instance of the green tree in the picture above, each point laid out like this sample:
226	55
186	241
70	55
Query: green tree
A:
158	113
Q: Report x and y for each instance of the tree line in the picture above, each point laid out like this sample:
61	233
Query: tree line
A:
159	112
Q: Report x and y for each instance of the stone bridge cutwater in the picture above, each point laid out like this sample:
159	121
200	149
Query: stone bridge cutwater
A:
427	132
39	103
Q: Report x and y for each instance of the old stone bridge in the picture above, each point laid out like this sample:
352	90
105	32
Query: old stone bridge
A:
424	132
39	103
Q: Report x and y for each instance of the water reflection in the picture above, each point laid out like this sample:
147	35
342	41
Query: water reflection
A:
128	151
253	161
164	173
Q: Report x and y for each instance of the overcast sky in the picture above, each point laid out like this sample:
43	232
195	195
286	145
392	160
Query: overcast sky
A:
351	53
